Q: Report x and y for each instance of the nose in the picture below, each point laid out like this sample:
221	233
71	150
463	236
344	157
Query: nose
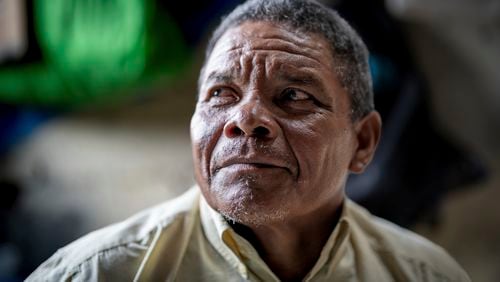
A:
251	119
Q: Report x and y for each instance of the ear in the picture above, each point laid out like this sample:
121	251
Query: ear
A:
368	130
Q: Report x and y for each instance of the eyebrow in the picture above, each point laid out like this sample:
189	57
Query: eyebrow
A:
304	79
220	77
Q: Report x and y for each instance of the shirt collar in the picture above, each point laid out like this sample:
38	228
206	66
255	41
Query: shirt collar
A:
239	253
218	233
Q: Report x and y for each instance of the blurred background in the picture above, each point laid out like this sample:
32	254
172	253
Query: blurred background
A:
96	97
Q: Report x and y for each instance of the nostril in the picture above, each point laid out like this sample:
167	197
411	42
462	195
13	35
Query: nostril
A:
234	131
260	131
237	131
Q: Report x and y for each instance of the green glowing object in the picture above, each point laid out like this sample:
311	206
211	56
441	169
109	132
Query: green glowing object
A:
94	49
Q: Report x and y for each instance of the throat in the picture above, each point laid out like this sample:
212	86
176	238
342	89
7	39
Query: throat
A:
289	251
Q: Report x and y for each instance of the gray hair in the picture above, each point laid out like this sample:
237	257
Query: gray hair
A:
350	54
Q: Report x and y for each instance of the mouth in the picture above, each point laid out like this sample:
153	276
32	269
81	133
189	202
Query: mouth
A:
243	164
251	165
259	165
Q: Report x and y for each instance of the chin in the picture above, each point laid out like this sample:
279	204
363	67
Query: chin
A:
248	204
253	215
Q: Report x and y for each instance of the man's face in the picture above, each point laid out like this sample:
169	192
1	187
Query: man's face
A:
272	135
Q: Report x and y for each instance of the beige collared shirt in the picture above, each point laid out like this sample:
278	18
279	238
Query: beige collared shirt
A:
186	240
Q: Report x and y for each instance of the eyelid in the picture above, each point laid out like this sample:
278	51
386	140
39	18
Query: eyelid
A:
224	89
299	104
317	99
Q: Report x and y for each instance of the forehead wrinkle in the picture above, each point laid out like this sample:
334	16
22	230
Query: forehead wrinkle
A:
245	62
259	73
285	49
295	42
238	51
293	63
225	72
254	63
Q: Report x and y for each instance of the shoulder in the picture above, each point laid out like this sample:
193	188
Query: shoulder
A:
118	245
397	244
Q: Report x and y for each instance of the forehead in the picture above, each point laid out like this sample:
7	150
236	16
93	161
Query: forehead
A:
287	46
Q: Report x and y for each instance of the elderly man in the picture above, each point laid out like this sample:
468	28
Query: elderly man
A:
284	114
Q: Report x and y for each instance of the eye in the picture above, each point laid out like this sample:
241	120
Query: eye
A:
293	100
291	94
222	96
217	92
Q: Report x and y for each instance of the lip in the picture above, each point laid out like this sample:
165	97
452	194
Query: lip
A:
253	163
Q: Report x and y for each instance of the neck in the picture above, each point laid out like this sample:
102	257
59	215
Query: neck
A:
291	249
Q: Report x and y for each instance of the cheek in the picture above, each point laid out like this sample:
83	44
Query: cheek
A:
322	149
205	131
198	128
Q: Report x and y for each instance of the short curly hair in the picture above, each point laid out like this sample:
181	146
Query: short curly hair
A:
350	54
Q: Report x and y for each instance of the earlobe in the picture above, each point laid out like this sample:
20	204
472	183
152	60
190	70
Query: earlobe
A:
368	131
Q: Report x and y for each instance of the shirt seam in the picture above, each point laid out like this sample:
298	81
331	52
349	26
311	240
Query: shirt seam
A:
163	224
